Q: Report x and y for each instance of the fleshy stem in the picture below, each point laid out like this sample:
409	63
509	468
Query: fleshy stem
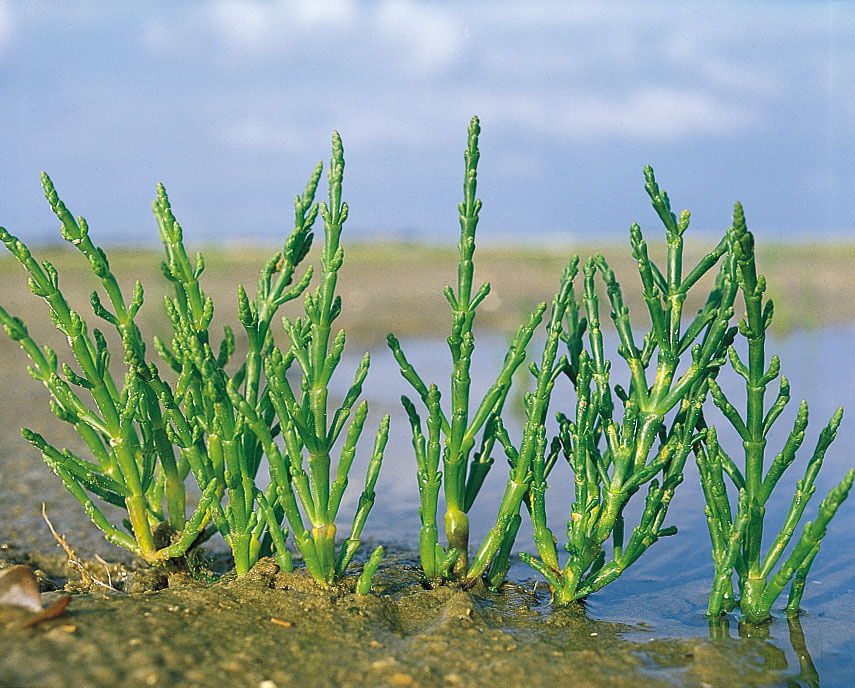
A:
127	434
607	477
214	440
530	455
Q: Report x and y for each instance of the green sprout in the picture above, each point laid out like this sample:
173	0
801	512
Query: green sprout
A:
304	419
466	459
737	535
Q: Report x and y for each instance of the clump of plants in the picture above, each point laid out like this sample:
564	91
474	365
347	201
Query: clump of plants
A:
147	435
613	458
223	422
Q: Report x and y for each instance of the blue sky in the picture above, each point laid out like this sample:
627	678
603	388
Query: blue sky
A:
230	103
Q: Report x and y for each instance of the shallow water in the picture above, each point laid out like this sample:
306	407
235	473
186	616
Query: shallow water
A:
655	609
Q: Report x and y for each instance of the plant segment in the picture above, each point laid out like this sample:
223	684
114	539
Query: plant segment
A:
464	466
612	459
737	535
304	418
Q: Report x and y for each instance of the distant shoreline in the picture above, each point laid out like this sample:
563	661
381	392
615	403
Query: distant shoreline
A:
397	286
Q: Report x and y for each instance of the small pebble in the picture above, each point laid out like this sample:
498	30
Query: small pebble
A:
383	663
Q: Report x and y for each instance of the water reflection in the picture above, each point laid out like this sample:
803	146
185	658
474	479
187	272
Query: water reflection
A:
774	657
807	670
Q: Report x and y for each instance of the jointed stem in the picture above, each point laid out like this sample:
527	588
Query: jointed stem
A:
607	477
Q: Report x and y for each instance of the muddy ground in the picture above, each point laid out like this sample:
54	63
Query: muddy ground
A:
275	629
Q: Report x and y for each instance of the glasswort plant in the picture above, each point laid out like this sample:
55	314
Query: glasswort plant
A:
304	416
206	425
611	460
737	537
134	462
465	468
147	436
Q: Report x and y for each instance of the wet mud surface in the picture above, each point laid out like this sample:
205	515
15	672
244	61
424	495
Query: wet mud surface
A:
275	629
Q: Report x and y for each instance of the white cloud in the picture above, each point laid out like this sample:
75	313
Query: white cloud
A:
656	114
244	23
416	39
255	26
428	38
7	28
320	13
575	71
360	127
650	113
727	74
563	13
710	60
662	113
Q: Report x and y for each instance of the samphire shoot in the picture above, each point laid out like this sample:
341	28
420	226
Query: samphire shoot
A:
737	533
463	437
